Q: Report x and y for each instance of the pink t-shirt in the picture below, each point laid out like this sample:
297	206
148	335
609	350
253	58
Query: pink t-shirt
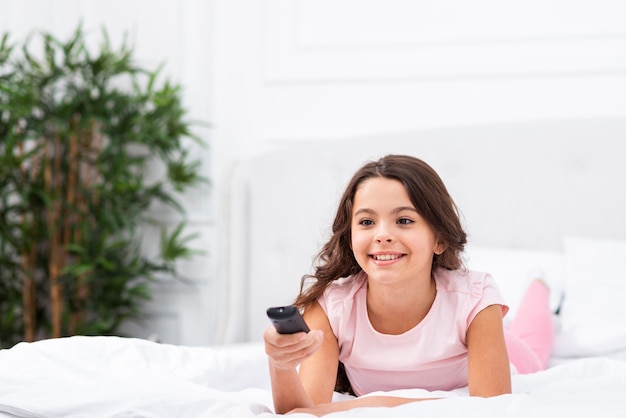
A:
432	355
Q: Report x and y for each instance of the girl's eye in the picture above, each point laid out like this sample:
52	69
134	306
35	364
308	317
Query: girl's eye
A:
366	222
405	221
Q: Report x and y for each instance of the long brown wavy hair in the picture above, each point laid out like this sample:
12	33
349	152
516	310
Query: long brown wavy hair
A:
428	195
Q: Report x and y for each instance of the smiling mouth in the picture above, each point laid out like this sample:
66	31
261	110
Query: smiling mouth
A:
386	257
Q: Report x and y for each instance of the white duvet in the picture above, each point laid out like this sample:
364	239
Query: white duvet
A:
117	377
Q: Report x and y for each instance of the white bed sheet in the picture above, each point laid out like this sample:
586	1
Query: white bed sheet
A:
117	377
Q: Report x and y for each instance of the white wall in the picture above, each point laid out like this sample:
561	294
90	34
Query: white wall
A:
267	73
299	70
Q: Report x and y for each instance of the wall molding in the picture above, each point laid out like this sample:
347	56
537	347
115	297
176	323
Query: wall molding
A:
303	43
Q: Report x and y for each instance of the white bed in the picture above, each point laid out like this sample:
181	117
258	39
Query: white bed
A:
114	377
544	196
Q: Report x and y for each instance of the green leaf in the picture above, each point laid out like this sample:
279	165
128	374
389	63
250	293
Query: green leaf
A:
174	246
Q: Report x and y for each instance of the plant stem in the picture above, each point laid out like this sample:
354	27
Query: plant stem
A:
72	185
28	269
56	299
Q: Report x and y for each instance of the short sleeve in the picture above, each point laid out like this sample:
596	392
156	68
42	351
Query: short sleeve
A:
484	292
337	300
331	307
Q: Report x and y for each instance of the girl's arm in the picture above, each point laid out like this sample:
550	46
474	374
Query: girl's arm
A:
488	362
319	372
317	354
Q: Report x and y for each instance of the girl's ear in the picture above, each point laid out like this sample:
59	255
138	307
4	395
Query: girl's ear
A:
440	248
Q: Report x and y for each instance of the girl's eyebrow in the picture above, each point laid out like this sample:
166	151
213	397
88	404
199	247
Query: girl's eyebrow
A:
395	211
403	208
364	210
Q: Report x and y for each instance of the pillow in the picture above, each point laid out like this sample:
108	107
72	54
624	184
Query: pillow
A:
513	270
593	314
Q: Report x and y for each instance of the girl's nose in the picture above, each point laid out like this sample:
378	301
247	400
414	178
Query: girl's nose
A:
383	235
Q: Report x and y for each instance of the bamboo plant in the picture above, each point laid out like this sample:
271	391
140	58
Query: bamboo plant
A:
78	131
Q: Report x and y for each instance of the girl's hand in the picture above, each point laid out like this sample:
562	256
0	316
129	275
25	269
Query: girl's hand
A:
286	351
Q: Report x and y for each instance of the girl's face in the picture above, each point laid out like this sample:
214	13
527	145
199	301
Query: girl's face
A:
391	241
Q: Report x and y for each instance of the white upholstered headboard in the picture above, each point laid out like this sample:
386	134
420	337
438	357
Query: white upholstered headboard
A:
522	185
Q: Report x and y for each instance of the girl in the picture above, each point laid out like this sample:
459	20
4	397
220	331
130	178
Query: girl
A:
392	306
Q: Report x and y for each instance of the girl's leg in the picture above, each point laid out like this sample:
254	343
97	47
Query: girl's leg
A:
530	336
